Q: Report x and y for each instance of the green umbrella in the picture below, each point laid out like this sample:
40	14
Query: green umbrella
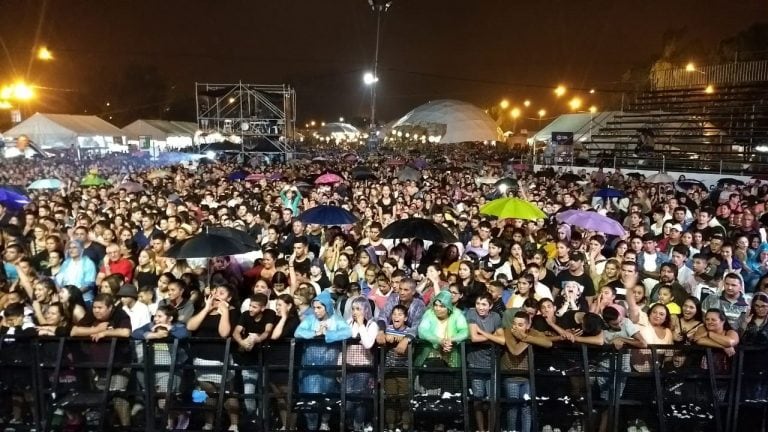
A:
93	180
516	208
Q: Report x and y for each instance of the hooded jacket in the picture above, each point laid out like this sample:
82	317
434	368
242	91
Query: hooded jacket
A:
456	330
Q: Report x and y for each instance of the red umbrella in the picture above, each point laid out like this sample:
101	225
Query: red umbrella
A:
328	178
256	177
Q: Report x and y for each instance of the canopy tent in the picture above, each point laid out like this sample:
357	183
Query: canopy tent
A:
447	121
161	135
578	124
63	131
338	132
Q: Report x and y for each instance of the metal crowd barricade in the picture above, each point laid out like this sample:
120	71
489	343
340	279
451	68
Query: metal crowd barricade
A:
666	387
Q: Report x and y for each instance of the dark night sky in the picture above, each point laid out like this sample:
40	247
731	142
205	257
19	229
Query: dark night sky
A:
431	49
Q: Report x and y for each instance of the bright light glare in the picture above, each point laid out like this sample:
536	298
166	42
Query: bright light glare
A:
503	188
210	155
369	78
527	103
504	104
690	67
560	90
575	103
44	54
542	113
710	89
593	109
515	113
5	105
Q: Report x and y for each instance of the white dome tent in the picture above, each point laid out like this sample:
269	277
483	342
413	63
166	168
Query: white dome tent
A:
448	121
338	132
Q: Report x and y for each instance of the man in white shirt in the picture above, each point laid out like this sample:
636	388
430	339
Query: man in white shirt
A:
136	310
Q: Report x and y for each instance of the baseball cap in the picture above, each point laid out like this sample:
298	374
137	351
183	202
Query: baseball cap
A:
577	256
128	290
676	227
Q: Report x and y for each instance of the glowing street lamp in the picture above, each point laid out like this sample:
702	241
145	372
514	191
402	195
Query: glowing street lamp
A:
369	78
690	67
593	109
515	113
560	90
18	91
504	104
542	113
575	103
527	103
709	89
44	54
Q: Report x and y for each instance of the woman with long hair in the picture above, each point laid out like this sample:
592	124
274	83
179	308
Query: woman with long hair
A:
686	324
72	299
470	287
432	283
147	271
364	328
610	273
274	357
523	290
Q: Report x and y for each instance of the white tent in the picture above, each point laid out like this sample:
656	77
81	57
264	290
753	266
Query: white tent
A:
162	135
63	131
450	121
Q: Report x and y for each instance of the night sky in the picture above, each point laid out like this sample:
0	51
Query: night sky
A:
480	51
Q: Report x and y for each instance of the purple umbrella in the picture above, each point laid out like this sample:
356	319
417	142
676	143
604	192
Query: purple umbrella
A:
591	221
419	163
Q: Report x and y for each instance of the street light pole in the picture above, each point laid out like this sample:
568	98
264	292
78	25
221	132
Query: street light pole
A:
378	6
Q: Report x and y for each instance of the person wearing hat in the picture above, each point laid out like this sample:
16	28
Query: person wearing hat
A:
575	273
668	243
136	310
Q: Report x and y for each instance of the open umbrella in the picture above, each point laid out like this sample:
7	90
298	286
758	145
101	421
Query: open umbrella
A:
327	215
234	234
363	175
207	245
486	180
319	159
547	173
46	184
93	180
690	184
256	177
729	181
408	173
570	177
516	208
660	178
12	199
395	162
505	183
130	187
419	163
328	178
591	221
276	176
519	167
349	157
420	228
608	192
161	174
237	176
302	185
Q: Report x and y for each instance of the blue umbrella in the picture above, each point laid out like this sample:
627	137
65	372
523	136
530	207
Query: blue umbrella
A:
237	176
46	184
606	193
327	215
12	199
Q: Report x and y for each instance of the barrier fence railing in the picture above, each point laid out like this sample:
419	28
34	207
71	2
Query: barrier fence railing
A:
301	384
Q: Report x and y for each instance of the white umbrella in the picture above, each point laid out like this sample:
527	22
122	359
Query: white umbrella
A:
660	178
486	180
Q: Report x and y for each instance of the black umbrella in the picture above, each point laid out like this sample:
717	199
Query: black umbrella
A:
420	228
409	173
544	173
234	234
729	181
690	184
207	245
364	173
570	177
328	215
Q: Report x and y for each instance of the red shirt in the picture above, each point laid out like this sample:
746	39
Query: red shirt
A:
123	267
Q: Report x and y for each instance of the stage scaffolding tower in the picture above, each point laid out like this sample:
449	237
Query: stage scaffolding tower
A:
251	118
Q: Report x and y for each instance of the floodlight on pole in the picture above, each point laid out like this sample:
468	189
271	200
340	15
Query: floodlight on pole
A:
504	104
44	54
370	79
560	90
575	103
527	103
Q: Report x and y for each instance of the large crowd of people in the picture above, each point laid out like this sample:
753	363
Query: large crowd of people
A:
90	261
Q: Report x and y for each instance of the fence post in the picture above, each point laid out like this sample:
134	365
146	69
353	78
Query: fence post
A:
343	393
532	388
464	398
587	394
